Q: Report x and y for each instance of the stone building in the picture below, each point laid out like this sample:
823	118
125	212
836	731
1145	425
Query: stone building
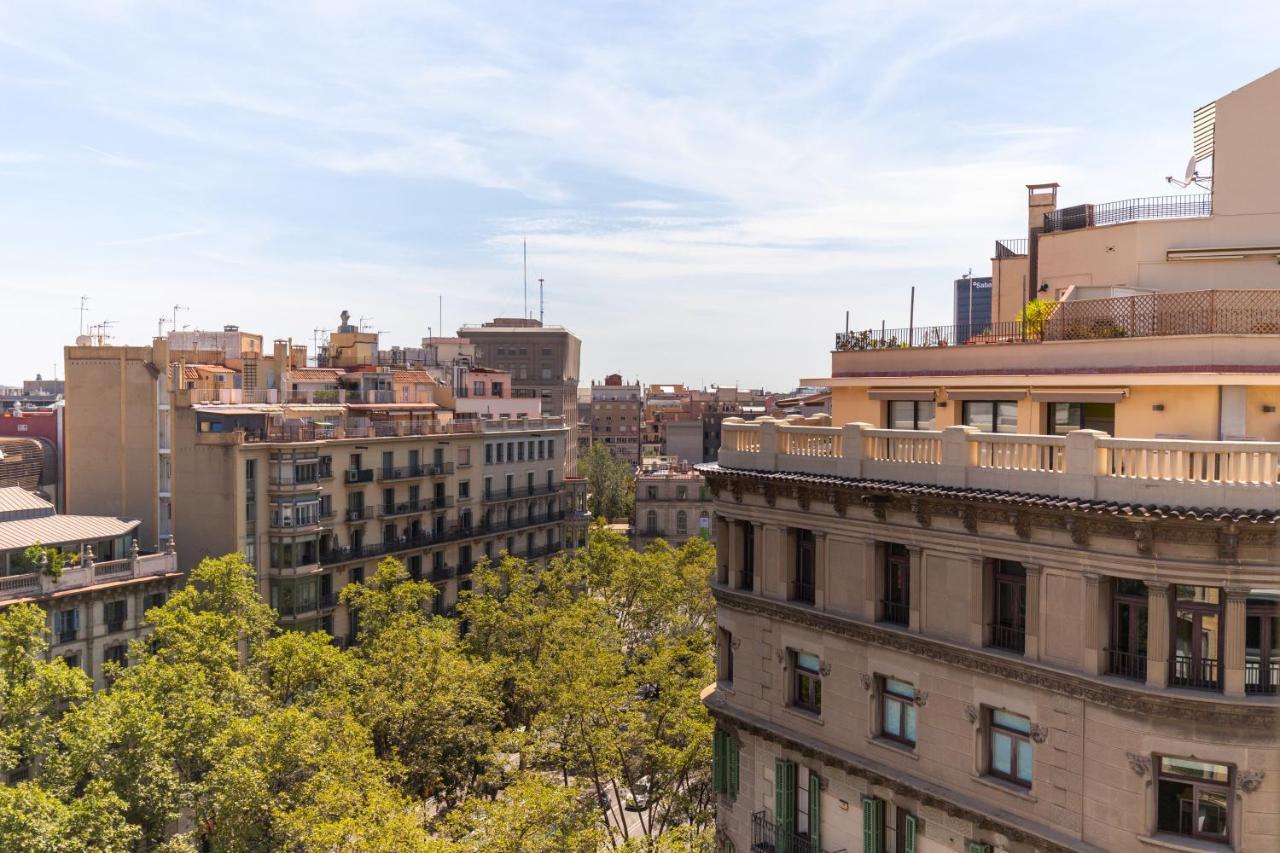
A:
674	505
1024	595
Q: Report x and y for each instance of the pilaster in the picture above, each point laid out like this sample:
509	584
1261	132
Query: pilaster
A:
915	589
1157	634
1233	641
1031	642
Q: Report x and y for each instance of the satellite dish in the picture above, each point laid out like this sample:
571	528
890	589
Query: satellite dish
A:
1191	169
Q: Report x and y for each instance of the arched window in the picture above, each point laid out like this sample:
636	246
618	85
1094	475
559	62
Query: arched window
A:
682	522
651	521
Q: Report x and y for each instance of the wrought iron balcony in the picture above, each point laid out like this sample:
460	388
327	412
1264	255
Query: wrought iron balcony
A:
766	837
1127	664
1128	210
1011	638
1202	674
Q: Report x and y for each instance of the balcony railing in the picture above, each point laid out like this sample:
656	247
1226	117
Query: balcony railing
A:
1015	247
1083	464
496	495
69	635
895	612
1129	210
410	507
1144	315
292	609
1011	638
1127	664
1202	674
358	513
89	573
357	475
1260	677
767	838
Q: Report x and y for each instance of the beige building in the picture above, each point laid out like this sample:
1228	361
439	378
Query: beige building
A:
542	360
674	505
317	478
1022	594
617	417
96	606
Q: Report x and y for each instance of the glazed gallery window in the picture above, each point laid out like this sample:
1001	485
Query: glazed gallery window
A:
896	605
1010	755
991	415
806	686
898	711
1065	417
911	414
1194	799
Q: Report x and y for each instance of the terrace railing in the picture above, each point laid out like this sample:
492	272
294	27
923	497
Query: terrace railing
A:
1128	210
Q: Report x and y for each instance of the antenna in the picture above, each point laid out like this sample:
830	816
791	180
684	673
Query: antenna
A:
83	301
362	323
541	304
440	316
176	309
160	326
525	244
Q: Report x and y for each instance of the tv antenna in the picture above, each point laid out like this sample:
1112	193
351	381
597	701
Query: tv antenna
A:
176	309
160	326
84	300
1191	176
362	323
541	304
525	245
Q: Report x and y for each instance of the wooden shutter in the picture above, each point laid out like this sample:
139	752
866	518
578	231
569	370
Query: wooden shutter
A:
979	847
908	833
732	746
717	762
815	812
872	824
784	803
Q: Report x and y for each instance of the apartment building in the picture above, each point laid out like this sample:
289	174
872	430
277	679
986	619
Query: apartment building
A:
96	604
1021	593
543	360
617	417
320	476
673	505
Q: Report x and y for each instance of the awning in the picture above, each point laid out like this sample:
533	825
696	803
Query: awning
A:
986	393
902	393
1079	395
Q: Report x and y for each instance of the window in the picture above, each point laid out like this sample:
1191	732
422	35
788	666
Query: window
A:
1010	747
1261	645
1194	799
682	522
1127	653
1197	640
805	567
725	660
114	613
67	624
1065	417
911	414
118	654
908	831
896	605
464	457
551	448
153	599
1009	606
724	763
992	416
898	711
651	493
651	521
682	493
477	387
807	682
748	578
873	825
464	489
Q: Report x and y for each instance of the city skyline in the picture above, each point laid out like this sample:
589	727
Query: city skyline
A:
759	175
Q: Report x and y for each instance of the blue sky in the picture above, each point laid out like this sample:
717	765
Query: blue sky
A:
706	188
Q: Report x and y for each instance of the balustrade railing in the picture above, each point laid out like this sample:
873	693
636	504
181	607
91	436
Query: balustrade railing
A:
1200	674
895	612
1260	676
1127	664
1012	638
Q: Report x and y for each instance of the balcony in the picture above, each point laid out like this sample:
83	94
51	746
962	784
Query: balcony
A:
1011	248
1010	638
89	574
1128	210
1145	315
895	612
357	475
498	495
443	573
69	635
358	513
282	485
1127	664
767	838
295	610
1198	674
412	507
1082	465
289	525
1261	676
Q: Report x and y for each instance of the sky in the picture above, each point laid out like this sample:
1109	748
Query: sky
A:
706	188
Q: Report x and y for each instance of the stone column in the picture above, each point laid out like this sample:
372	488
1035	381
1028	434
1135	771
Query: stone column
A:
759	557
979	601
821	550
1233	641
773	563
1094	632
915	589
1157	634
1031	643
728	552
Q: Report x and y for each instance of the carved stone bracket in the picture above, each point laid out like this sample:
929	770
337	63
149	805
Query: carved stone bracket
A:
1139	764
736	488
1144	536
1079	529
1022	524
839	502
782	658
825	668
1229	543
1039	732
971	713
921	511
968	517
922	696
866	681
803	497
1250	780
736	642
770	492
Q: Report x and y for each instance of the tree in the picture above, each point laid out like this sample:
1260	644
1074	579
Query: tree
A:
47	559
35	821
533	815
610	481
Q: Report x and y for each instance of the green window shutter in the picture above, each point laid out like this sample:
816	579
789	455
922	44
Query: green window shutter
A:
784	802
732	745
979	847
909	833
717	762
815	812
872	824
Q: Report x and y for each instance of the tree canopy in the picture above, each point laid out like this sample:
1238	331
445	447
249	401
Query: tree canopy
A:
524	724
611	483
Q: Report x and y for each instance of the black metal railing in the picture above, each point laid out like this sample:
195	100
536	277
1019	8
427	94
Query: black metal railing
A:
1011	638
358	475
495	495
402	472
68	635
442	573
803	592
1014	247
895	612
1202	674
358	513
1128	210
1260	677
293	609
767	838
115	626
410	507
1127	664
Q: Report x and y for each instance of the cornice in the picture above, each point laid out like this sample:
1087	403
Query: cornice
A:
1251	715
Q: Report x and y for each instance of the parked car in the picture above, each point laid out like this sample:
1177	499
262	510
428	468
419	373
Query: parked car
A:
640	791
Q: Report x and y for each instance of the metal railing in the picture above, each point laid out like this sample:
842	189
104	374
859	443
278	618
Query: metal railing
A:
767	838
293	609
357	475
496	495
359	513
1128	210
895	612
1259	678
1127	664
1014	247
803	592
69	635
1202	674
1011	638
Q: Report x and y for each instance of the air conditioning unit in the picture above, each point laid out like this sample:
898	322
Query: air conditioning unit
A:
287	521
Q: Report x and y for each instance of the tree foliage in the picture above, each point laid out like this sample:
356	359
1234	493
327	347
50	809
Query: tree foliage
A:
526	732
611	483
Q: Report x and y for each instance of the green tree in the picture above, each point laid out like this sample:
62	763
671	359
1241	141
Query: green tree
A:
35	821
47	559
533	815
610	481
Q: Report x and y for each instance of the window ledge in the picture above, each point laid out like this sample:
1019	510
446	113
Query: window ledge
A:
1167	841
725	687
894	747
1007	787
809	716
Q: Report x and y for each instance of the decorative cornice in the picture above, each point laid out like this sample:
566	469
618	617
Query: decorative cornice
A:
1109	694
1139	764
735	721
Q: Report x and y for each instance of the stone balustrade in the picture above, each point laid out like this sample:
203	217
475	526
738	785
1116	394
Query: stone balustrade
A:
88	573
1084	464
